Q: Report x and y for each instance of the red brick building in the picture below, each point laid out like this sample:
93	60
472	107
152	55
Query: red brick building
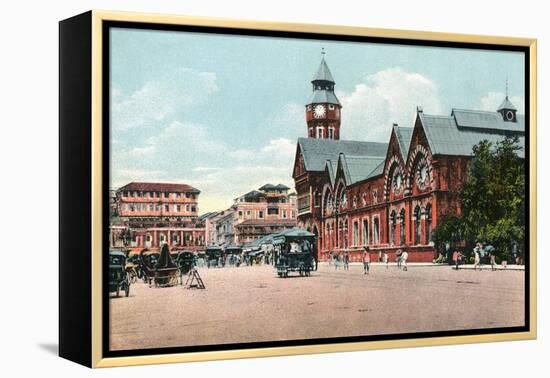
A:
388	195
151	214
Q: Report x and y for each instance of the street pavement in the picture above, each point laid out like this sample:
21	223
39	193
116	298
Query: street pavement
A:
250	304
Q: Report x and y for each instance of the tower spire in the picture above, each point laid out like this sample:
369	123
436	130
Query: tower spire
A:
506	86
323	108
507	109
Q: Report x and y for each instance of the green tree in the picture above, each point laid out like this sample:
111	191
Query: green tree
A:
492	200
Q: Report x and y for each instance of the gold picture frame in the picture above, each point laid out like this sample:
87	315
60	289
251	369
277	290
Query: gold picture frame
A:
92	327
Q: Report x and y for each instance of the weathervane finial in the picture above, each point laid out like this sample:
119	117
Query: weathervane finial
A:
506	86
323	51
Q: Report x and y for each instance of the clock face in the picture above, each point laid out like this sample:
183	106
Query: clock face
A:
397	181
319	111
422	173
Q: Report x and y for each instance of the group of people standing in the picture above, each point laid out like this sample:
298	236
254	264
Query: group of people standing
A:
478	253
343	259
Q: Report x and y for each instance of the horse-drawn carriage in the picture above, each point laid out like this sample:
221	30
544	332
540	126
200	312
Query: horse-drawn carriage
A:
295	251
214	257
233	255
166	272
158	269
148	260
185	261
118	278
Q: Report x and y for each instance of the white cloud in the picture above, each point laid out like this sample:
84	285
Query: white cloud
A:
289	121
157	100
492	101
386	97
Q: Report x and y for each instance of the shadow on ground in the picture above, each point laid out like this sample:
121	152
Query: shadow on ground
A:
51	348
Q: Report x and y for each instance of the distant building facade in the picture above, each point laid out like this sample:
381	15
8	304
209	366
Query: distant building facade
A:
151	214
255	214
390	195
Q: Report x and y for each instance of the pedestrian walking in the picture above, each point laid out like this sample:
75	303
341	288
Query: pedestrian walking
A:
386	259
346	260
398	258
457	256
477	257
366	260
493	261
379	256
404	257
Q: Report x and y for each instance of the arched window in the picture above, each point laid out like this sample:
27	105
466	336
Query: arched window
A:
327	203
355	233
340	235
402	227
417	225
316	199
393	225
428	223
365	232
376	231
346	227
343	200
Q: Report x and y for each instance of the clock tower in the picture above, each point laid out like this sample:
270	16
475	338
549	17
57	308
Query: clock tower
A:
323	110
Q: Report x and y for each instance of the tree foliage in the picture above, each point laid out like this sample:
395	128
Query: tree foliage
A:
492	200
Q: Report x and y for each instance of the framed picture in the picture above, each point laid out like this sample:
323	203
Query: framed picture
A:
234	189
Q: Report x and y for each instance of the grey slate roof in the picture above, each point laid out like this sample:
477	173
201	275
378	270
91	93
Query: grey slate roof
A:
281	187
458	133
317	151
323	72
488	121
358	168
321	96
268	186
506	104
404	135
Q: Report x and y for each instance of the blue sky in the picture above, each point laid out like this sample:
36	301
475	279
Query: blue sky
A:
222	113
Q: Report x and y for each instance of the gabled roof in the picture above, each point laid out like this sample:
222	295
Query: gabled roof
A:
404	136
331	166
506	104
458	133
317	151
323	72
358	168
